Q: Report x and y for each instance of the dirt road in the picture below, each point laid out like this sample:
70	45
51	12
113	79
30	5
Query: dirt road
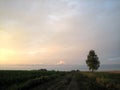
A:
73	84
67	82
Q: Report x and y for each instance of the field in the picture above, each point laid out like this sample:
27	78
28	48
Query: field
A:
58	80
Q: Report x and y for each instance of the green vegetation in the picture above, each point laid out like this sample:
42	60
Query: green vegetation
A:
101	80
57	80
92	61
24	80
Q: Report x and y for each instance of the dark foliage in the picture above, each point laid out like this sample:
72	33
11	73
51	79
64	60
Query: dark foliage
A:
92	61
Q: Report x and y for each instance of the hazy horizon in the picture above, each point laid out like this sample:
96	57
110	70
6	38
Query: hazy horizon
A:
112	67
59	32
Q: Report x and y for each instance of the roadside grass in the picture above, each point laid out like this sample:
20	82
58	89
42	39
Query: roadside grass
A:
12	80
110	81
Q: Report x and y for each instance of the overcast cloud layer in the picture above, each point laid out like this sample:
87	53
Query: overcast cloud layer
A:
59	31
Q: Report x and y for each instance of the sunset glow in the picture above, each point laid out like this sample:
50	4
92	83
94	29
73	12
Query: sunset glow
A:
59	31
6	55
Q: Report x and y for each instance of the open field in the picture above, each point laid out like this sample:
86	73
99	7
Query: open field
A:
58	80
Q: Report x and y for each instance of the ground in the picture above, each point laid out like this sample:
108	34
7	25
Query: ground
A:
55	80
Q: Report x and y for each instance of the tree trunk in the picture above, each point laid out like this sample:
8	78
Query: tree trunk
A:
92	70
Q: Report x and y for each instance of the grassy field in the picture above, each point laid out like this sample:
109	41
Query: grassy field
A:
56	80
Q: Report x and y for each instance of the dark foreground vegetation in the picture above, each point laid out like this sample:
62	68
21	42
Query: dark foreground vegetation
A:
55	80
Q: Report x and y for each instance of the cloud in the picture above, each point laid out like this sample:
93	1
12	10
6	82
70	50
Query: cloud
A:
61	62
54	29
52	19
114	59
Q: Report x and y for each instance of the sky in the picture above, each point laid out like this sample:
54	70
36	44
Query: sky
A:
59	31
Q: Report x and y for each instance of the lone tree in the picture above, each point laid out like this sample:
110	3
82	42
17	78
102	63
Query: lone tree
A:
92	61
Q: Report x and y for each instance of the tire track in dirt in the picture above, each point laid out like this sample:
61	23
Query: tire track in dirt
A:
62	84
68	82
73	84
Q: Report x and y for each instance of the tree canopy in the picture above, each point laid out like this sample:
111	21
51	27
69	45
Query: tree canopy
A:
92	61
